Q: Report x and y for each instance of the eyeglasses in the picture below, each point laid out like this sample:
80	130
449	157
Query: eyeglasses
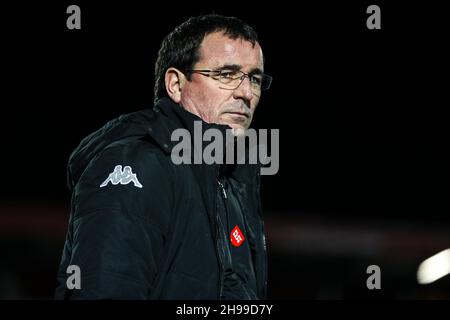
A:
232	79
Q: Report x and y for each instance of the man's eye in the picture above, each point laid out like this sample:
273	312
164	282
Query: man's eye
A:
256	80
225	74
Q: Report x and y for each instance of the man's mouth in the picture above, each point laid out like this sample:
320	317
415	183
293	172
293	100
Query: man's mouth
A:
239	114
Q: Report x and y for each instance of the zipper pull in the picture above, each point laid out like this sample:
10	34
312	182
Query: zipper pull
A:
221	187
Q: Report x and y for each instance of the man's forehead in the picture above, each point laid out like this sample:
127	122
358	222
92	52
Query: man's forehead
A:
219	49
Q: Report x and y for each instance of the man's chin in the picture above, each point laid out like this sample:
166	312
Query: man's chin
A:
235	121
237	128
238	132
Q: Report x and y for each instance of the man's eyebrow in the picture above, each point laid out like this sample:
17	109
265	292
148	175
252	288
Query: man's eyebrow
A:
255	71
231	67
236	67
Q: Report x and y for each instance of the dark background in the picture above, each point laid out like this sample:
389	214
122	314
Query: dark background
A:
363	177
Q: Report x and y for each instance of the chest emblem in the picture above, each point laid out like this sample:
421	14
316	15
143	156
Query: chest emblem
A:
237	237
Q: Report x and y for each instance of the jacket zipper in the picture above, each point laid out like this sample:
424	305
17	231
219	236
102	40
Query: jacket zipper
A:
222	188
218	233
224	197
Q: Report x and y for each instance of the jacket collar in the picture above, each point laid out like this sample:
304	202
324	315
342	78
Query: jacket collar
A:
177	117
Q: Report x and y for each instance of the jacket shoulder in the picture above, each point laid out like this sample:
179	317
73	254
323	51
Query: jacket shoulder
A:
131	176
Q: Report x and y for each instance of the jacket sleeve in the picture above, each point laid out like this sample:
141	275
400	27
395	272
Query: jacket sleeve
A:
119	222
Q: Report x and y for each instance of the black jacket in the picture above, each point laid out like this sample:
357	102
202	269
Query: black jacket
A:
159	236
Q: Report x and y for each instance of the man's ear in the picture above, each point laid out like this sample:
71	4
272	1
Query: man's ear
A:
174	80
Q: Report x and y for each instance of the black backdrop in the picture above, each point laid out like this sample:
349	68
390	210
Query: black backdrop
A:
362	113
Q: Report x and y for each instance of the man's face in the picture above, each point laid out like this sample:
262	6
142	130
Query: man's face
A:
208	98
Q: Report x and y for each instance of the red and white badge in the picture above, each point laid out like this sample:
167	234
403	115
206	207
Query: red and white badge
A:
237	237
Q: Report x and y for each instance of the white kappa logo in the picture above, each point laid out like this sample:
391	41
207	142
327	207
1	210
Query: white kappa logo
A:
123	177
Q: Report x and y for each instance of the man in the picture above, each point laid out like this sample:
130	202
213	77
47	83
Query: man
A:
142	227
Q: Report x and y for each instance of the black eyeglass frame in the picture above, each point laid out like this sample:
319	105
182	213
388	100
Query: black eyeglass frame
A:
266	80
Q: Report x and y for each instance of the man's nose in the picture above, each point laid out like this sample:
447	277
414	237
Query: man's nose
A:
244	90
